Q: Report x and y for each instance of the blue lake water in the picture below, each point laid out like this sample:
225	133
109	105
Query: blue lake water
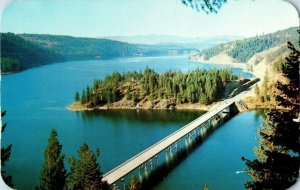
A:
35	101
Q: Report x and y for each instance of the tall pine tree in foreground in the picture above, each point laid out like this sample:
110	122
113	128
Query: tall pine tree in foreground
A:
277	163
5	154
85	172
53	174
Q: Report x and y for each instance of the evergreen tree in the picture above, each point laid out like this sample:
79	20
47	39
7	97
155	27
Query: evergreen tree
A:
278	154
77	97
5	154
83	97
85	172
194	86
134	98
203	99
88	93
53	174
134	184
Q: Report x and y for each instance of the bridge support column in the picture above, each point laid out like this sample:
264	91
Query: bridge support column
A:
156	157
151	166
139	170
123	182
114	187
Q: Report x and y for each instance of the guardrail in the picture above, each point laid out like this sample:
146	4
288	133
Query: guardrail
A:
234	97
157	143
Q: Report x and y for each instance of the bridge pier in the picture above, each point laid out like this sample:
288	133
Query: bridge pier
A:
139	170
115	187
156	157
123	182
151	165
148	159
176	146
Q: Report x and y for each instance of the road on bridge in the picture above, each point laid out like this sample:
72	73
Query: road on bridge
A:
123	169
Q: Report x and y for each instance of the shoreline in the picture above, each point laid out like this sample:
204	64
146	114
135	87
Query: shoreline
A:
77	107
8	73
232	64
228	62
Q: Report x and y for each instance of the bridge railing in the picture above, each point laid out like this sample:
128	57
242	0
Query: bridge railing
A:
152	146
227	102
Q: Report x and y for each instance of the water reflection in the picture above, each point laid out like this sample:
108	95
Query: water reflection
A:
163	117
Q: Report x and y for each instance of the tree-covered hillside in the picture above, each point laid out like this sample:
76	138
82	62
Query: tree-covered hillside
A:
243	50
73	48
24	51
18	54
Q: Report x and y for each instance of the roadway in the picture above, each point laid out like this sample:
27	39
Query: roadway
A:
123	169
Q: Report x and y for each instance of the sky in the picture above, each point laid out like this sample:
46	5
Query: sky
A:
99	18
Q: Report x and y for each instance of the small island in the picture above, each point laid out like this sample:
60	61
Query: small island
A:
197	89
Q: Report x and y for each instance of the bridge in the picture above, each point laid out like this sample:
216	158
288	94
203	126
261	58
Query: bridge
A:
140	160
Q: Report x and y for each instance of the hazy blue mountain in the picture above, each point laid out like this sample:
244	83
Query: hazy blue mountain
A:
169	39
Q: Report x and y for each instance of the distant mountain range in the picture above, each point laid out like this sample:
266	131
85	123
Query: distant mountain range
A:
198	43
169	39
23	51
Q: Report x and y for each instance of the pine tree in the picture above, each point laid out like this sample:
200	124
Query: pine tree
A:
83	97
134	98
151	85
5	154
85	172
53	174
77	97
88	94
278	154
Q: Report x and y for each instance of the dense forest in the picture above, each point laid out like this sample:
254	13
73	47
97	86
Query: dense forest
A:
197	86
44	49
73	48
18	54
243	50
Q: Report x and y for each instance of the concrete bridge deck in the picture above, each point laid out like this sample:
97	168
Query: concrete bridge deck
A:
123	169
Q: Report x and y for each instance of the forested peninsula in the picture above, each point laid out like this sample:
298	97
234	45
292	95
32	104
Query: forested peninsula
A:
152	90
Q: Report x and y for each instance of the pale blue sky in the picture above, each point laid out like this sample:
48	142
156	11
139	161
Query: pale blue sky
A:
91	18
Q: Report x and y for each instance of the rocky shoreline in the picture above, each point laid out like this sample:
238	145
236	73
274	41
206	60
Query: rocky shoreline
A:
147	105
